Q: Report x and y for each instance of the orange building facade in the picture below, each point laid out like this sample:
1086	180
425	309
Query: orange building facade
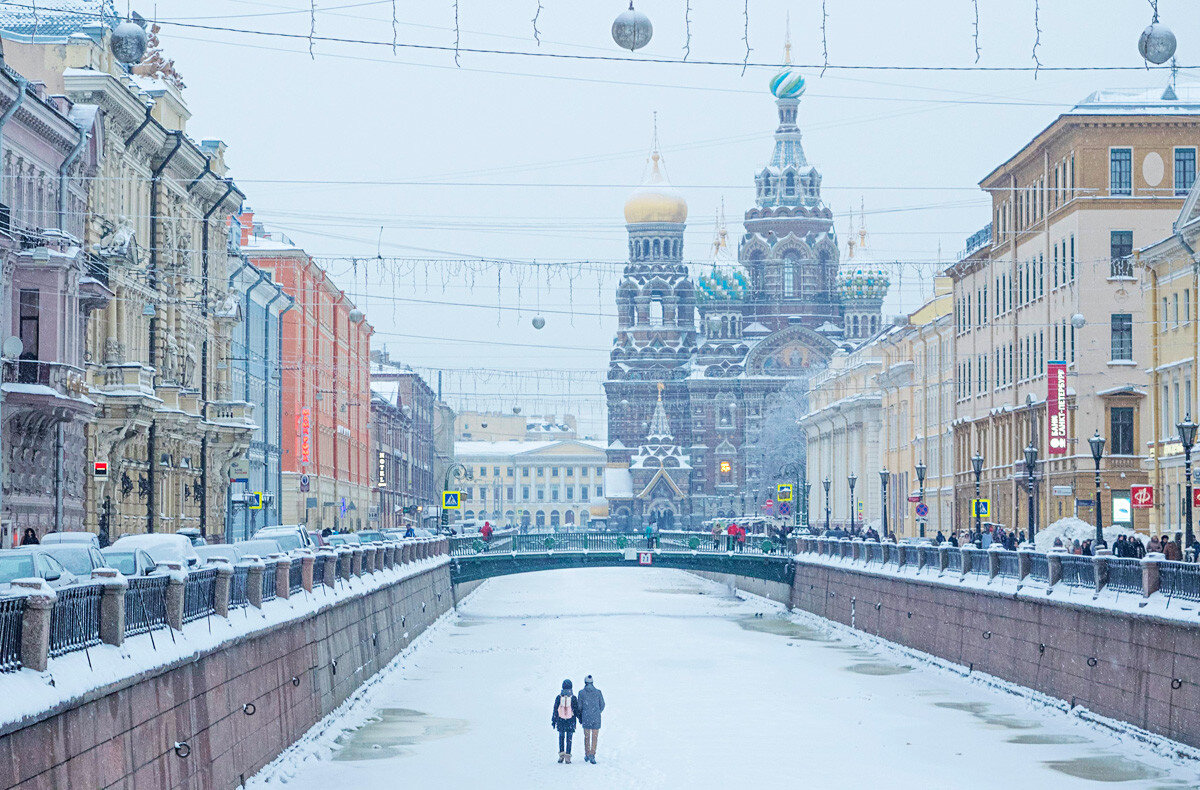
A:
326	349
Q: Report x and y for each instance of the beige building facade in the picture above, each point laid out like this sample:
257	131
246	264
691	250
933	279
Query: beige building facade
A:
166	422
1054	279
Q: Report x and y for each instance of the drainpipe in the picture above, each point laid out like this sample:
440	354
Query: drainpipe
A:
1155	377
204	345
22	83
145	122
84	136
279	403
266	422
155	180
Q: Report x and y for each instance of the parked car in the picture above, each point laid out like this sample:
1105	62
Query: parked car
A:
316	539
259	547
131	562
79	558
162	547
193	534
32	562
289	536
226	551
343	539
371	536
86	538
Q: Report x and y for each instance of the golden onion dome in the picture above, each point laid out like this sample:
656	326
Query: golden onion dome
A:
656	200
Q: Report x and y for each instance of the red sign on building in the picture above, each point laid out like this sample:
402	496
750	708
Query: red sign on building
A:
305	434
1196	497
1142	496
1056	407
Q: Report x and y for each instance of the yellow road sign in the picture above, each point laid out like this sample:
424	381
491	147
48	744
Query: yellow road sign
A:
452	500
784	492
981	507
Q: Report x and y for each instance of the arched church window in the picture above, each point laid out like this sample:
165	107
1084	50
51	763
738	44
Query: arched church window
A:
789	277
632	315
854	327
656	311
789	185
735	326
657	248
724	416
724	326
645	248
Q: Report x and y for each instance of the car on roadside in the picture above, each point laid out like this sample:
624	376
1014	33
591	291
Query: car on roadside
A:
32	562
193	534
131	562
317	540
79	558
82	538
289	536
162	547
371	536
224	551
343	539
258	547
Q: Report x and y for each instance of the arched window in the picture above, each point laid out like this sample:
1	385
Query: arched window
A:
540	519
584	518
724	326
632	315
789	278
632	250
656	311
854	327
645	248
569	518
554	518
789	185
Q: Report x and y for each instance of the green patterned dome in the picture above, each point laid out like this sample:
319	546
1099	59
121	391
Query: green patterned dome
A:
863	285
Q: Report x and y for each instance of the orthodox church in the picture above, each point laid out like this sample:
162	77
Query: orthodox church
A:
696	359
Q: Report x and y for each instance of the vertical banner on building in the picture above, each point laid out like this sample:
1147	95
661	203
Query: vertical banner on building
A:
305	450
1056	407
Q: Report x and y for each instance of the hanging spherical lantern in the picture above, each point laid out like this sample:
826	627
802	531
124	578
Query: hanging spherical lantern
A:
1157	43
128	42
538	322
1078	320
356	315
632	29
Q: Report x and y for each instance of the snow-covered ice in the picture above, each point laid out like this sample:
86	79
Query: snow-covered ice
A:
703	690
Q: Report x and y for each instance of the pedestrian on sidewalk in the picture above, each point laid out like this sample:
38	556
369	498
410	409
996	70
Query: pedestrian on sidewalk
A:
731	533
563	716
591	705
741	537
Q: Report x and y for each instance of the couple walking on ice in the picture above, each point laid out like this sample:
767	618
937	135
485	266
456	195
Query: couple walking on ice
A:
585	709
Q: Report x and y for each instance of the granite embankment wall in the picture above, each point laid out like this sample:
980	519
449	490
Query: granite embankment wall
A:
207	722
1126	665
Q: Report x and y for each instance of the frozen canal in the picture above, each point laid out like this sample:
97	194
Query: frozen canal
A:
701	693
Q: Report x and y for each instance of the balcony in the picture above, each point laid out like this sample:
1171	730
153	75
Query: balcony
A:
128	379
976	241
237	413
39	384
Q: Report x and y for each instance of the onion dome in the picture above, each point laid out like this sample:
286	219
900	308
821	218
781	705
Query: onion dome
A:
787	84
722	284
656	200
861	285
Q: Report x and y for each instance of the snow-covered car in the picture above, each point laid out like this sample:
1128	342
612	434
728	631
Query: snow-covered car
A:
259	547
348	539
85	538
225	551
32	563
290	537
134	562
79	558
162	547
371	536
193	534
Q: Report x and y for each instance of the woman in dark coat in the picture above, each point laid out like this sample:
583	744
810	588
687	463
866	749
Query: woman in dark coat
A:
563	717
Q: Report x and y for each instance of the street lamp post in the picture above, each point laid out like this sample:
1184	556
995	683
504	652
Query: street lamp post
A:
1031	458
883	481
826	483
807	509
1097	443
921	469
1187	437
977	465
853	478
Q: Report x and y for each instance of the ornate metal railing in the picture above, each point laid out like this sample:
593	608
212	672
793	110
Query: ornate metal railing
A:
198	594
75	619
12	615
295	576
1009	566
239	596
145	604
1078	571
268	582
1125	575
1179	580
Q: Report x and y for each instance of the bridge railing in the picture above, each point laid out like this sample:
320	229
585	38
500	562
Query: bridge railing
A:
1152	575
595	540
38	623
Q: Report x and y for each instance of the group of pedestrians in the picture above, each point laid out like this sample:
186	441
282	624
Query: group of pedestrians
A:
733	536
584	709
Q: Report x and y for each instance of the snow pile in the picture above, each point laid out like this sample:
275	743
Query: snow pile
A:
1071	529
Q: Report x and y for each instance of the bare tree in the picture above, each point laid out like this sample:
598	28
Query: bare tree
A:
779	450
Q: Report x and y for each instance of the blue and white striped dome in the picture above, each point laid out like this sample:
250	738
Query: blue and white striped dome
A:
787	84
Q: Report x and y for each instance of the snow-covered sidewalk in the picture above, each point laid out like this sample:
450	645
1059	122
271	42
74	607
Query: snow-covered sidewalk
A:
704	690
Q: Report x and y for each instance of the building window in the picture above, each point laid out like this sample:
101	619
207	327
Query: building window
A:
570	471
1120	249
1121	429
524	471
583	493
553	493
789	184
1122	337
554	471
1185	170
508	493
1120	172
570	493
656	311
541	471
541	494
30	329
483	471
599	492
525	493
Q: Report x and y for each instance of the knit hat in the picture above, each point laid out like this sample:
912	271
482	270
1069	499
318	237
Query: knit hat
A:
588	679
566	685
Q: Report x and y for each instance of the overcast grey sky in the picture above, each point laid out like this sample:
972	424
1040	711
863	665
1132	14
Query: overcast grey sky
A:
535	156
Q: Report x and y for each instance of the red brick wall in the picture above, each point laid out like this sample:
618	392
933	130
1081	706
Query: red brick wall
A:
124	736
1041	645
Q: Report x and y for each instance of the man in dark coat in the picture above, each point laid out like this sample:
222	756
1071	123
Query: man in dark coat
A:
563	716
591	705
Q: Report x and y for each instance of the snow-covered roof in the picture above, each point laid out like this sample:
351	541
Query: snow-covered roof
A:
618	483
1140	101
510	447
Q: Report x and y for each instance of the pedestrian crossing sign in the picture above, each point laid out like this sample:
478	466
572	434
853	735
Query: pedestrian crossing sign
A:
785	492
254	500
981	507
451	500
